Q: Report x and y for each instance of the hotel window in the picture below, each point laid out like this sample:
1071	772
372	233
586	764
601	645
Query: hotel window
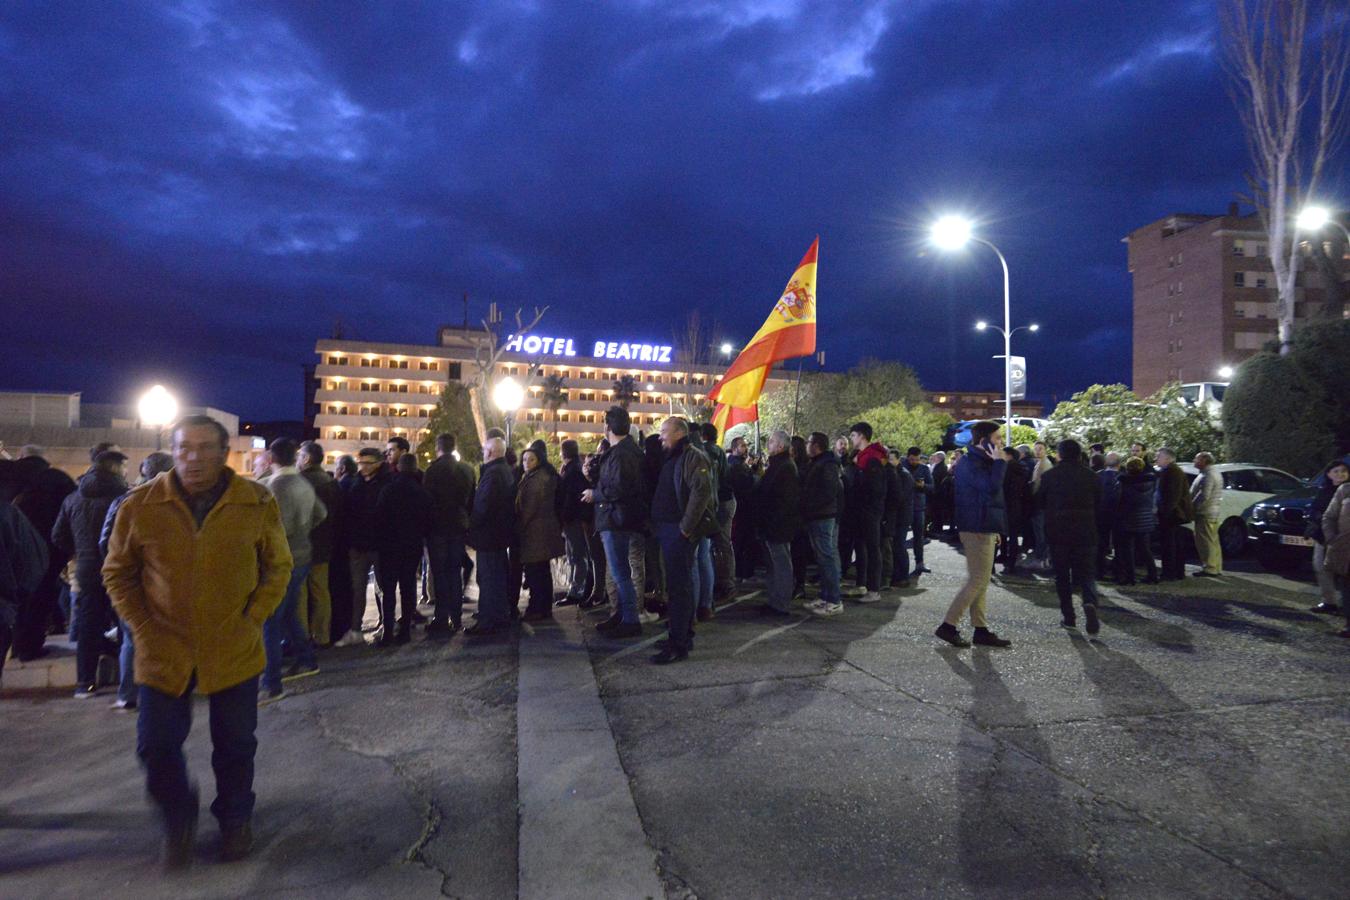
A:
398	389
429	366
333	386
398	413
334	410
1259	251
370	363
338	360
1179	287
424	412
370	410
1239	279
1260	281
367	386
1171	289
398	364
564	417
368	434
424	389
338	434
1171	347
1239	249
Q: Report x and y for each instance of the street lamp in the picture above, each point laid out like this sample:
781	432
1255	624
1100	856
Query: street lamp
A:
1315	218
952	233
508	395
1225	371
157	408
727	348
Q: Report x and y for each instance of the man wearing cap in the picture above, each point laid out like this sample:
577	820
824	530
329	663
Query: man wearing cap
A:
76	533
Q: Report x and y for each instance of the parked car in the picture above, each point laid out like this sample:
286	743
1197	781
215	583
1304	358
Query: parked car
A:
1275	528
1208	394
958	433
1243	485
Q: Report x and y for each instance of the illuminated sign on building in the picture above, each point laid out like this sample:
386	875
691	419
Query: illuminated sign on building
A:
553	346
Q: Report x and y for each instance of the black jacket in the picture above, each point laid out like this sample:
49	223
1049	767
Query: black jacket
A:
80	523
899	499
821	488
740	480
927	485
1015	486
1174	497
621	494
572	482
450	484
492	525
869	483
327	490
718	465
1069	493
360	515
404	515
1137	508
777	500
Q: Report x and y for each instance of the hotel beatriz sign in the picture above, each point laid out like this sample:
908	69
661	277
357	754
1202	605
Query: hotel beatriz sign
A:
533	344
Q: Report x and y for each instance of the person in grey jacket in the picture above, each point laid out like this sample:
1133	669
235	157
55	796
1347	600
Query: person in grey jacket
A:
301	510
1206	494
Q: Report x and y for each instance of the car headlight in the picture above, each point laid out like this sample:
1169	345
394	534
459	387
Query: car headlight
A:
1267	514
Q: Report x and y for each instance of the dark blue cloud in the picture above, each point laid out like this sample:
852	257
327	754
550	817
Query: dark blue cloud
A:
195	192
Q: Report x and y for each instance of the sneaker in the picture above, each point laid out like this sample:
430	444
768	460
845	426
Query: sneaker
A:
951	635
870	597
1328	608
609	624
269	697
123	705
1068	623
438	629
236	842
821	608
351	639
857	591
902	584
646	617
569	600
669	655
986	638
85	691
300	671
1090	613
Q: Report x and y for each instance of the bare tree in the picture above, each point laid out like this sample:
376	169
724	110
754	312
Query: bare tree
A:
693	349
1283	65
487	350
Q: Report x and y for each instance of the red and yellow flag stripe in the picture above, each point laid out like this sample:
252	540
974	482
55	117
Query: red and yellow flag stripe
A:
790	331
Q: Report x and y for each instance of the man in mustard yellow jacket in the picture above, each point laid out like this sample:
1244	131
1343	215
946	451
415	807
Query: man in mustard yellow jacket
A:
196	563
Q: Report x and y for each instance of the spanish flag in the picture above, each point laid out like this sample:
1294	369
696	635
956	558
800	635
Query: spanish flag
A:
789	331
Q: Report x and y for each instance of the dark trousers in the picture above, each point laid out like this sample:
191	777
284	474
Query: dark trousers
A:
1131	549
1103	544
844	525
93	616
494	575
868	548
743	543
1007	550
724	555
37	610
445	553
900	555
678	554
6	637
920	536
340	590
284	625
1074	569
1173	558
801	559
539	581
162	725
397	572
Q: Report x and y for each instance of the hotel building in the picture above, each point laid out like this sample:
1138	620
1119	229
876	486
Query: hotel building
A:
365	393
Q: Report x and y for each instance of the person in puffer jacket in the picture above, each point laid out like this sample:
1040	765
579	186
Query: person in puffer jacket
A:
76	532
1136	518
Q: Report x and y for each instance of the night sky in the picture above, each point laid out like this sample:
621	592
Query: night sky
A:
193	193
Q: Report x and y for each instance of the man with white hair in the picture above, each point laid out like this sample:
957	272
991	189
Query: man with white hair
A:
491	528
684	511
1206	494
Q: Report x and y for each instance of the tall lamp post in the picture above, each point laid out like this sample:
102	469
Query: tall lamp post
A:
1315	218
157	408
953	233
508	395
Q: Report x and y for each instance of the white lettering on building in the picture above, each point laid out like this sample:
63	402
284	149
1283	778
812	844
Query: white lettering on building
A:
533	345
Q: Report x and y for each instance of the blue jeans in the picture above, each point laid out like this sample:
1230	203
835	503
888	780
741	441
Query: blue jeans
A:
678	553
920	535
494	574
445	555
780	575
284	625
580	569
703	575
825	544
126	669
162	725
616	557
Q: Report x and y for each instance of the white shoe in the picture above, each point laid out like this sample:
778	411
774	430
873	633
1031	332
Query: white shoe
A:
267	698
854	591
647	618
821	608
870	597
350	639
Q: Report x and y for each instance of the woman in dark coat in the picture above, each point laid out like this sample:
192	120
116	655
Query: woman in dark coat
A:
1015	480
1136	519
538	529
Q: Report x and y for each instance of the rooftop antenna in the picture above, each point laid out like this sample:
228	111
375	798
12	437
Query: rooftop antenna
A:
466	310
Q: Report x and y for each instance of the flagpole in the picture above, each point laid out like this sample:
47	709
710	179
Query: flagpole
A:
796	403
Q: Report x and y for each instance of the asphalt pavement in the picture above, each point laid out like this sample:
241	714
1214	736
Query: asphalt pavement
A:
1195	748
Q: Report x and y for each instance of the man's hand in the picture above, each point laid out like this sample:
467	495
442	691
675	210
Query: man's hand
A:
588	496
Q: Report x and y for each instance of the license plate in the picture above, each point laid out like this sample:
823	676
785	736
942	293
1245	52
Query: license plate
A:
1297	540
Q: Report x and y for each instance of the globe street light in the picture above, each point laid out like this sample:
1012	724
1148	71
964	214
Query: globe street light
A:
1315	218
508	395
1225	371
727	348
952	233
157	408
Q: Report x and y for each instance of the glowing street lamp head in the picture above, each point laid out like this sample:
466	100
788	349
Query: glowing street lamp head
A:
981	325
157	407
1313	218
950	232
726	348
650	386
1225	371
1033	327
508	395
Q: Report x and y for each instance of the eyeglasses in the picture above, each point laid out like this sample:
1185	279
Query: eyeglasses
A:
367	462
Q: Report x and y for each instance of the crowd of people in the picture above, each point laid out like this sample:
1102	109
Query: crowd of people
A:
229	585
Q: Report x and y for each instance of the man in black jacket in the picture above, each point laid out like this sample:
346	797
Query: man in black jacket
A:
450	483
776	503
844	519
492	527
1068	493
901	509
822	491
724	558
867	506
405	513
620	498
360	521
76	532
684	511
742	483
576	518
925	491
939	510
1174	511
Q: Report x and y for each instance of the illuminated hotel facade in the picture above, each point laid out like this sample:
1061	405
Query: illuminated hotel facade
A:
366	393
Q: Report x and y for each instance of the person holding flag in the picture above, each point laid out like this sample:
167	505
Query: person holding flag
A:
790	331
